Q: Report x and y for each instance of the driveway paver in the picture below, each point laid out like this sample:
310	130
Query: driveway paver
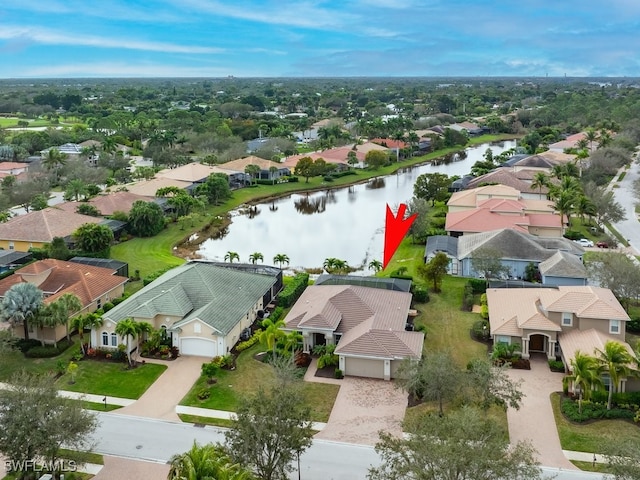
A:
117	468
362	408
160	400
534	421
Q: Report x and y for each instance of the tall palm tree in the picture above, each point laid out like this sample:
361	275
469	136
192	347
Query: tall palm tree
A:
585	206
329	264
51	315
292	340
272	172
141	328
281	259
206	462
109	145
255	256
53	160
253	171
540	180
605	139
564	206
375	265
615	361
271	333
80	322
71	305
20	305
585	375
231	256
127	329
591	136
76	189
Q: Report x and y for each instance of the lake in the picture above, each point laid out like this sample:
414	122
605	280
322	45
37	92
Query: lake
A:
345	223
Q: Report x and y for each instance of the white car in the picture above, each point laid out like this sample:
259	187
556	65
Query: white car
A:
583	242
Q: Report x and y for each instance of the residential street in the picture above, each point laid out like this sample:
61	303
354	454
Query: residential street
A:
629	228
157	441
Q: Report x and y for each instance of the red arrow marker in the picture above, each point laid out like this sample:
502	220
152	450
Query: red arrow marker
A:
395	229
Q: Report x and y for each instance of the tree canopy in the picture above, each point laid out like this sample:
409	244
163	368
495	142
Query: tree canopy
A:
93	238
146	219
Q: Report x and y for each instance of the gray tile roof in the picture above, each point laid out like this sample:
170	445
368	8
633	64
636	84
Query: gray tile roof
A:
563	264
215	295
442	243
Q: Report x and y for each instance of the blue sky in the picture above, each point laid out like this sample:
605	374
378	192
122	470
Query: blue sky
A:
310	38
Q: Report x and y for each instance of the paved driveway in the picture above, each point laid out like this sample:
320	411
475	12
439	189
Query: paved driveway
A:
363	407
534	421
129	469
160	400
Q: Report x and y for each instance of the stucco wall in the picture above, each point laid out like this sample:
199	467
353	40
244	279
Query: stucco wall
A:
19	245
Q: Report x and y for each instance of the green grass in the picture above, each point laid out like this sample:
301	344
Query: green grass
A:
99	407
590	437
617	234
84	457
152	254
216	422
113	379
589	466
247	377
13	362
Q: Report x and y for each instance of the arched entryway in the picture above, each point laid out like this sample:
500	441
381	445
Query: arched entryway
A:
539	342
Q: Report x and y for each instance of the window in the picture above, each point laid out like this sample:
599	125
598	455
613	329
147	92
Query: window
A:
105	339
503	339
11	245
114	340
99	303
196	328
606	380
567	319
614	326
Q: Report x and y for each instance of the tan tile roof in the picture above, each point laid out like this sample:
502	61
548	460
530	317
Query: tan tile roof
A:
107	204
587	342
242	163
194	172
43	225
511	310
470	197
13	165
148	188
371	320
85	281
482	220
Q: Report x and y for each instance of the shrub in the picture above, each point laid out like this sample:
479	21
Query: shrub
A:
480	330
467	298
328	178
344	173
292	179
25	345
556	365
477	285
292	292
593	411
48	351
338	374
152	276
276	314
401	276
248	343
210	370
204	393
421	295
328	359
108	306
572	235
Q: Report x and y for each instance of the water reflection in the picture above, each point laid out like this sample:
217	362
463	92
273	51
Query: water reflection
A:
345	223
376	183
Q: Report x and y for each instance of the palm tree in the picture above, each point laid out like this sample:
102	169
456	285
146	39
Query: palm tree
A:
564	206
255	256
272	171
206	462
141	328
127	329
51	315
80	322
70	305
271	333
231	256
584	375
540	180
76	189
615	361
253	171
280	259
375	265
53	160
292	340
109	145
591	137
20	305
605	139
329	264
585	206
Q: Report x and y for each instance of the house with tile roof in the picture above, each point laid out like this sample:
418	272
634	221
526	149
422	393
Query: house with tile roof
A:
203	307
560	261
148	188
197	173
94	286
13	168
266	167
570	142
39	228
366	324
519	180
107	204
557	322
529	216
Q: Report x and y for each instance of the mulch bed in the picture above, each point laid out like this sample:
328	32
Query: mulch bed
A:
326	372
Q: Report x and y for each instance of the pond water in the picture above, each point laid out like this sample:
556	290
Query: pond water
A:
345	223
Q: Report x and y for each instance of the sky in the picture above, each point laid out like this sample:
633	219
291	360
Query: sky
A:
315	38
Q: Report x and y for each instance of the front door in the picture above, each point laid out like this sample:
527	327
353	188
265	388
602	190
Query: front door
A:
536	343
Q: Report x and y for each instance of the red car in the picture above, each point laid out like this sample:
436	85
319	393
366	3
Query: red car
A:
602	245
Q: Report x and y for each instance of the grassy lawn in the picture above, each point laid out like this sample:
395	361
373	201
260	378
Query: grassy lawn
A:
246	378
113	379
99	407
589	466
152	254
16	361
589	438
216	422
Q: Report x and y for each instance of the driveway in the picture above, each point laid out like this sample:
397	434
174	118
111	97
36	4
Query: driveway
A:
624	195
534	422
362	408
117	468
160	400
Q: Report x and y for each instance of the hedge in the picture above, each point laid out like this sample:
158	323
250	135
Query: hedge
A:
48	351
619	398
421	294
292	292
344	173
478	285
593	411
152	276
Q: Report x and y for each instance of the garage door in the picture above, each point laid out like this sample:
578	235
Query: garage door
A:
198	346
364	367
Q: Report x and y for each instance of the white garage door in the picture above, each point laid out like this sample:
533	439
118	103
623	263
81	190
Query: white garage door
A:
364	367
198	346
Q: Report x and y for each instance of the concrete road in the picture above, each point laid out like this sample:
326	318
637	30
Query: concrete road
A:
158	440
629	228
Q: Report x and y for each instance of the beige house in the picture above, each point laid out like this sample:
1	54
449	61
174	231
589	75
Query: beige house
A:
94	286
203	308
556	322
366	324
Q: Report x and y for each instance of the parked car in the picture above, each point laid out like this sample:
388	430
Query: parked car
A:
602	244
584	242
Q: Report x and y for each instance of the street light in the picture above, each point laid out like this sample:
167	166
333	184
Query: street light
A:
298	464
105	402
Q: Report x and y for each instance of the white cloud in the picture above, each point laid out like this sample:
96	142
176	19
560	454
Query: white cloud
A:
51	37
